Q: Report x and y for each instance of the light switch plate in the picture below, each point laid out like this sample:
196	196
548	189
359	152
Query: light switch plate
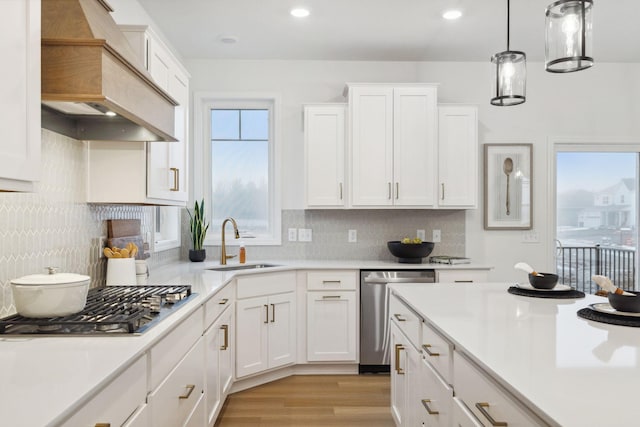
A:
421	235
353	236
293	234
530	236
304	234
436	236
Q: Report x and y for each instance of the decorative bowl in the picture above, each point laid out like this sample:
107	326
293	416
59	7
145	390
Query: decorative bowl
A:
546	281
625	303
410	253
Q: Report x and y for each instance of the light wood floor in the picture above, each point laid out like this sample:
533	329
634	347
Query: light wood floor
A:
312	400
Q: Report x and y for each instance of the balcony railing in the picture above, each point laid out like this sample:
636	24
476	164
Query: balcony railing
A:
577	264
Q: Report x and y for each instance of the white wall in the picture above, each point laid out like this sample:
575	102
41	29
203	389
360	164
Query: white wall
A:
598	104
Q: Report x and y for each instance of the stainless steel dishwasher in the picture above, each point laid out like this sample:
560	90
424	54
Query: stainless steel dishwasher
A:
374	313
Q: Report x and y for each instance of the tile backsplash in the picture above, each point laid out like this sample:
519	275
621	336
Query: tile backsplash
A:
54	226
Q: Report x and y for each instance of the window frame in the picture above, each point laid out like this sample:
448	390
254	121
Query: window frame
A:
202	185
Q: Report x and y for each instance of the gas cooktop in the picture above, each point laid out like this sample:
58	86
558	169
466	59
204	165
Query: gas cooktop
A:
109	310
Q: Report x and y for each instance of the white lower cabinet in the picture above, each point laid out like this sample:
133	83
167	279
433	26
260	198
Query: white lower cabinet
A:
405	360
266	333
218	363
331	326
121	403
435	398
462	416
462	276
198	418
173	402
488	402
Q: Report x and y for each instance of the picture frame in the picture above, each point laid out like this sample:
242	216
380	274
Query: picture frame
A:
508	187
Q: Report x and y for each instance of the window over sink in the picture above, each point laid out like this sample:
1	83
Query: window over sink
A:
238	140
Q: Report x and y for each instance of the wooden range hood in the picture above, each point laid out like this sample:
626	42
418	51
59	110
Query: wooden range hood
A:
88	69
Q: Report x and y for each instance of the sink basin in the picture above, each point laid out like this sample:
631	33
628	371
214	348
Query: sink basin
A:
235	267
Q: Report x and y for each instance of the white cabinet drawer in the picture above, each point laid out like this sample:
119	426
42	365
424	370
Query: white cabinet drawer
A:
166	354
331	280
485	399
140	418
174	400
266	284
217	304
462	276
462	416
437	351
436	397
408	321
118	401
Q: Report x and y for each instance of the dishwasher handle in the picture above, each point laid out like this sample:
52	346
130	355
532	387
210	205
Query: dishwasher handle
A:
429	279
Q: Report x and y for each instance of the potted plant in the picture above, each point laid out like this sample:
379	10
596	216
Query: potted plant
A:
198	227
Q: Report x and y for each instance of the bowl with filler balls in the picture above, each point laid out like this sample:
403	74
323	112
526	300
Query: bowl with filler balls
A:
410	250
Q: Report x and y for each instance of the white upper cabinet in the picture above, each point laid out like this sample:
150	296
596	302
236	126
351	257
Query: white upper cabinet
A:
20	95
393	134
157	172
458	156
324	142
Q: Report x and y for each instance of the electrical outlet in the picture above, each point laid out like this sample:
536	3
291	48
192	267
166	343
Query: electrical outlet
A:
436	236
530	236
420	235
304	234
353	236
293	235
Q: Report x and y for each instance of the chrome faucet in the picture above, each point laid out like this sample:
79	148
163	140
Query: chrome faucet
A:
223	248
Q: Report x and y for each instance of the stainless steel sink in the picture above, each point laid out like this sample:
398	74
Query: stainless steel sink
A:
234	267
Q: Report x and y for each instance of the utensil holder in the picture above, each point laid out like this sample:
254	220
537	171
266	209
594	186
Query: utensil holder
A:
121	271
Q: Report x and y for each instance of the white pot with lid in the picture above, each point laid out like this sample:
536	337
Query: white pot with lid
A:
50	295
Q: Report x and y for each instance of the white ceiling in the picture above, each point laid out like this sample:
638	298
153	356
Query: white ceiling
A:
381	30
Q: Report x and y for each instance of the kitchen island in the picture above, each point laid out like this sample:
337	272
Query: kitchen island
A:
563	369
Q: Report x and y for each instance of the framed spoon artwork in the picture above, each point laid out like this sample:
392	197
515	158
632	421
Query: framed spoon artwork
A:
508	187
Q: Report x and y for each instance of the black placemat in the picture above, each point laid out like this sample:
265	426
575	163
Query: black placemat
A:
612	319
546	294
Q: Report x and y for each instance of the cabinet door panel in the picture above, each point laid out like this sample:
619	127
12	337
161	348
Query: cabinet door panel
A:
212	371
252	340
324	132
414	142
282	332
372	145
227	347
331	326
399	346
458	156
20	94
437	397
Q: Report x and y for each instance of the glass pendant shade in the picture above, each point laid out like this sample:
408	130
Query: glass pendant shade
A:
568	36
509	78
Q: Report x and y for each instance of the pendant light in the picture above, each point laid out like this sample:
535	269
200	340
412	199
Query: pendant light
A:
568	36
509	75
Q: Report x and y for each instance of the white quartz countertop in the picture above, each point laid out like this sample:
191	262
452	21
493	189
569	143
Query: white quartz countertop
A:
44	379
572	371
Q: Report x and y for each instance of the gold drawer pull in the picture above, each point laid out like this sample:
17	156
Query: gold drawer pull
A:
223	301
399	317
426	348
429	410
176	179
331	281
190	388
225	328
481	407
103	425
330	296
399	370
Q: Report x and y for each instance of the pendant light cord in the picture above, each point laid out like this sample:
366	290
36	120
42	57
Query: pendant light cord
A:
508	15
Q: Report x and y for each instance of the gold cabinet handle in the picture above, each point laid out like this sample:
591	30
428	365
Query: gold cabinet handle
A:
103	425
399	317
397	190
425	403
340	191
481	407
266	313
190	388
389	190
324	282
442	191
426	348
273	313
399	370
225	328
176	179
223	301
330	296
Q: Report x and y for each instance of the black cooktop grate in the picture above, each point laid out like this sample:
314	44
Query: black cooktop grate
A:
109	310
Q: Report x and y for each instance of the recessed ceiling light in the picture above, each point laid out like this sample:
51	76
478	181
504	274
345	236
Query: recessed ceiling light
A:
110	114
229	39
300	12
452	14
